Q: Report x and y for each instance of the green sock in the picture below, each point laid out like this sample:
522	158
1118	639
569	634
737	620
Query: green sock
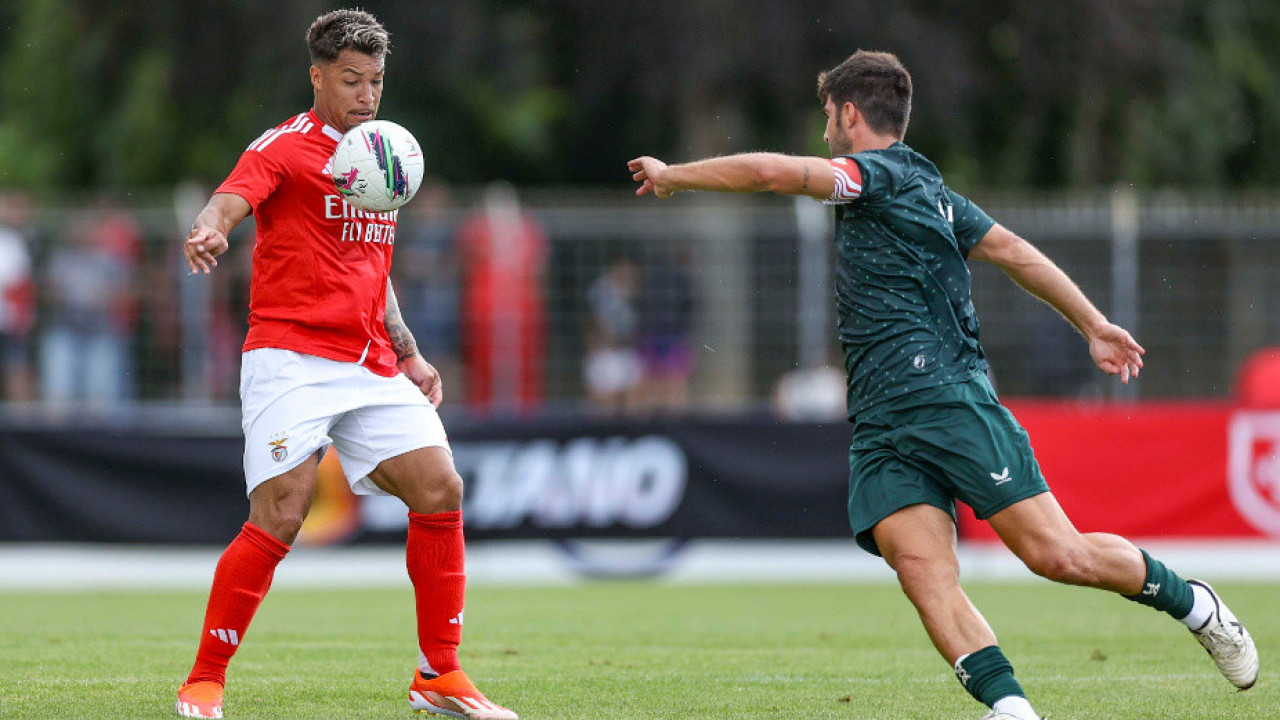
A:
988	675
1164	590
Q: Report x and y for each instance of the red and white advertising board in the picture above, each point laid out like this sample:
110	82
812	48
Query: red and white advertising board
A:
1166	470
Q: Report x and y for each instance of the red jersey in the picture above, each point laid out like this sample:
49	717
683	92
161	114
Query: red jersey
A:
320	266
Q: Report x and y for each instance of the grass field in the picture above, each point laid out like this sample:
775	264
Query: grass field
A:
629	650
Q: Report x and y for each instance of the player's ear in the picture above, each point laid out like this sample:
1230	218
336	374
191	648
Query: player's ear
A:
315	77
848	115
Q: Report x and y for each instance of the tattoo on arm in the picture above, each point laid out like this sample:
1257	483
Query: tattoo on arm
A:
402	342
805	185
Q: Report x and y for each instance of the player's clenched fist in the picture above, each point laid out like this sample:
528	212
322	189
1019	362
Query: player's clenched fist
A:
651	173
202	248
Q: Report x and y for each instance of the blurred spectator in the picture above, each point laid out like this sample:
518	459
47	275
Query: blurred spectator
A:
16	307
229	323
612	365
503	252
666	321
89	296
815	394
427	282
1258	382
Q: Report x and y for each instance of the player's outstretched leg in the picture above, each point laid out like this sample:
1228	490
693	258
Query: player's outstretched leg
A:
436	567
1039	533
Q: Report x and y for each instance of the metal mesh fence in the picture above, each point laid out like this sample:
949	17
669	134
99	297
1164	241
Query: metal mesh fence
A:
551	300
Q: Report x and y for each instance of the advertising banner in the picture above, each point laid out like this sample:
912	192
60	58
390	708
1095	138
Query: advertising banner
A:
535	479
1153	470
1157	470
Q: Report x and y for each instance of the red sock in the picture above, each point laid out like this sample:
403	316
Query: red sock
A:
436	558
240	582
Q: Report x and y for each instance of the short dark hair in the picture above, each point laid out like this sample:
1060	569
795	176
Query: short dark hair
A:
340	30
877	83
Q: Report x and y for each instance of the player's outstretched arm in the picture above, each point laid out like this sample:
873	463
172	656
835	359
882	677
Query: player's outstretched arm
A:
1112	348
412	364
208	237
749	172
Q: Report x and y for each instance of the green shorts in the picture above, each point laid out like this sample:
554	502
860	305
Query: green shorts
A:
936	446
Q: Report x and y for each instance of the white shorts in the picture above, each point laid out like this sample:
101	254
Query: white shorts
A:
296	405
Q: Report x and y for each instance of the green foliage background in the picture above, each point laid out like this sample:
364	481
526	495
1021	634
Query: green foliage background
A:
97	94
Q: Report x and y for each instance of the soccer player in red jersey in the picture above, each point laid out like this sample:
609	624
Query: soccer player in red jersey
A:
328	360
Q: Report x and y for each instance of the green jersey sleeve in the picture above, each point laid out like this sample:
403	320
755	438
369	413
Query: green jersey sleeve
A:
880	177
969	223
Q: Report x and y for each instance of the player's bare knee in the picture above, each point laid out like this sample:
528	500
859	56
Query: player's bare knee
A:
448	491
921	576
436	493
279	507
279	520
290	524
1062	565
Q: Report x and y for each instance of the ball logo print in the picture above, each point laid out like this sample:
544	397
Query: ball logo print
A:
1253	472
377	166
346	183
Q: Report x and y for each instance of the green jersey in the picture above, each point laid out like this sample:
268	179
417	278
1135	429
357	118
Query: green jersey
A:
906	319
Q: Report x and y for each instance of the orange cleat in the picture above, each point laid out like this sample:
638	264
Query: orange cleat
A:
453	694
200	700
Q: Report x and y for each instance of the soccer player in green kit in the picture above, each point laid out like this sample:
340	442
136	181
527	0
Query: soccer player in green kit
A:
928	428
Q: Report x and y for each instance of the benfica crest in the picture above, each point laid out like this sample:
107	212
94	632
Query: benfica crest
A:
1254	468
278	450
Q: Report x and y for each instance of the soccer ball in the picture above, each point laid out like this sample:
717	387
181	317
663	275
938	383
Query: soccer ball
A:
377	166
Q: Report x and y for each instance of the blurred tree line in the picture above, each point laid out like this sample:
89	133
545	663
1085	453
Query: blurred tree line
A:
1074	93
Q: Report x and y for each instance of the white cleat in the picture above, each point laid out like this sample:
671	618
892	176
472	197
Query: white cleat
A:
993	715
1230	645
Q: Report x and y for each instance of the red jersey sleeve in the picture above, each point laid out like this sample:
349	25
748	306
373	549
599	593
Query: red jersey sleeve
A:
848	181
257	174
